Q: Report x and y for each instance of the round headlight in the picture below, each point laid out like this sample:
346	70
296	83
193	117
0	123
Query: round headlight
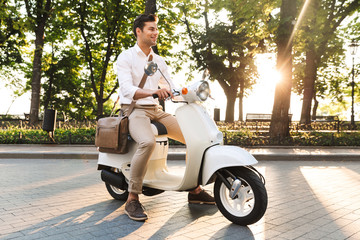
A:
203	91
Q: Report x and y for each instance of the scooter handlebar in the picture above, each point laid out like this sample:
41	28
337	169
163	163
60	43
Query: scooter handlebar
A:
175	93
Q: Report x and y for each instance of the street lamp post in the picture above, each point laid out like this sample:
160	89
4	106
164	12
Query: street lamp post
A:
353	48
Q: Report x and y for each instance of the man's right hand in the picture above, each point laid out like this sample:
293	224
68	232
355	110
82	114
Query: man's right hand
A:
163	93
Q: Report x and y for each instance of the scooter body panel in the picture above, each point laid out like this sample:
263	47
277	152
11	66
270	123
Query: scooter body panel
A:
123	161
117	160
221	156
200	132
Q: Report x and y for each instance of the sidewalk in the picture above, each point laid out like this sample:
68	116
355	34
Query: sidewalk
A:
46	199
55	151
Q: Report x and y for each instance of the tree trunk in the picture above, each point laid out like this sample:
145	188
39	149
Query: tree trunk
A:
241	101
316	104
280	121
36	77
41	18
309	83
230	104
48	93
51	79
150	7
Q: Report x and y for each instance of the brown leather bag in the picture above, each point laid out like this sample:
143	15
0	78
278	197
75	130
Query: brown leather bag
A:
112	132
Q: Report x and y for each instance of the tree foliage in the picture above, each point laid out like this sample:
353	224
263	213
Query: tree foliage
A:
12	36
321	45
232	33
74	43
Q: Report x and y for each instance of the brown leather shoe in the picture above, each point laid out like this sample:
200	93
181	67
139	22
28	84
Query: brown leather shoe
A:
135	210
202	198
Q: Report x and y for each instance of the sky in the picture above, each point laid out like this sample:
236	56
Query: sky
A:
12	105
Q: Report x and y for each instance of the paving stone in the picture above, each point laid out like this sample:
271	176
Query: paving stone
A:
65	199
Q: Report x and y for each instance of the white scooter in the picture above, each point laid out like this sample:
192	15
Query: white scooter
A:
239	189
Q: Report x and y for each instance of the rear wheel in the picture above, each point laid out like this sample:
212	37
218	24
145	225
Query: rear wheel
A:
117	193
250	203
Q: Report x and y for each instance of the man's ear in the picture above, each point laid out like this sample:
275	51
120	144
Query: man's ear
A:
138	30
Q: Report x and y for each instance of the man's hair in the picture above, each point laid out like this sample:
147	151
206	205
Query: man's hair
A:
142	19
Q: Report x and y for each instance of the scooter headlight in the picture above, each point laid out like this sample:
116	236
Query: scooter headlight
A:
203	91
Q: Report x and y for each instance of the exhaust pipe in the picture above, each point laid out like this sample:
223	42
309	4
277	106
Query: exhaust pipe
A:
114	179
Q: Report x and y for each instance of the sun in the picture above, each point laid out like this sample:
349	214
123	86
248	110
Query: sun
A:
268	74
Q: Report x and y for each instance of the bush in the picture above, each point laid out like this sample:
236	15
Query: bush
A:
234	134
295	139
38	136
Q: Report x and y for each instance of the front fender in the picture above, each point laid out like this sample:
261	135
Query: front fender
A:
220	156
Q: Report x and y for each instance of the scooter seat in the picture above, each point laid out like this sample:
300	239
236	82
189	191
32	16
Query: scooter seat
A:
158	128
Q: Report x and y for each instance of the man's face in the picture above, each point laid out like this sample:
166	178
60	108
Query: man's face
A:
149	34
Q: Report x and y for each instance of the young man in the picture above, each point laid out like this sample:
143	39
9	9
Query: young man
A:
130	69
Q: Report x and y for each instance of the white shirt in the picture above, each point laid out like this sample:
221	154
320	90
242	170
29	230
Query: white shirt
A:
130	69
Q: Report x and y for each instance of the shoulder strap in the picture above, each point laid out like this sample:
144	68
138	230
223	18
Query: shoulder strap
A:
141	85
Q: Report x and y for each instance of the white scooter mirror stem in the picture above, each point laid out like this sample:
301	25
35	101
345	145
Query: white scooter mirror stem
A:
151	68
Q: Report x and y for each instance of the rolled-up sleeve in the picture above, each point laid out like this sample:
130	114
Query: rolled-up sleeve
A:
123	71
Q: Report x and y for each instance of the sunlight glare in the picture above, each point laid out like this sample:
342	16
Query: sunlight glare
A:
268	74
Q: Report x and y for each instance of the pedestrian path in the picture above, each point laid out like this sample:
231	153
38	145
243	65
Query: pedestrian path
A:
62	151
50	199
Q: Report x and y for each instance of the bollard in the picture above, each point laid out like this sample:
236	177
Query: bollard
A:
216	114
49	120
70	138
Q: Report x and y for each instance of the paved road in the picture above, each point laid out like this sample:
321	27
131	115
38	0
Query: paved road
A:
65	199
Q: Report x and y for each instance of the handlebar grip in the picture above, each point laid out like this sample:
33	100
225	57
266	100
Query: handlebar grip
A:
155	95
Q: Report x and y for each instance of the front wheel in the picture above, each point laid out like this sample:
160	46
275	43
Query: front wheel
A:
250	203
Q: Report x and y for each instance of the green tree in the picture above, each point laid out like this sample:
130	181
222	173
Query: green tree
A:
38	14
64	87
104	29
320	37
12	43
227	45
12	36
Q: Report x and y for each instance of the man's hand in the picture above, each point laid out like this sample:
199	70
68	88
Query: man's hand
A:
163	93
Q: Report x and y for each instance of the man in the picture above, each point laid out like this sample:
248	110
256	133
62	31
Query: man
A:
130	69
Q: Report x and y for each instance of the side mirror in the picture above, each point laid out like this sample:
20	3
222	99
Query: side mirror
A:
150	68
206	74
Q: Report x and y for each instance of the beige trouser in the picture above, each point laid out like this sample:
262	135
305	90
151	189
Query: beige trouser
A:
140	130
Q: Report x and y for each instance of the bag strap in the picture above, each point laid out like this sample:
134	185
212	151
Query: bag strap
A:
141	85
115	103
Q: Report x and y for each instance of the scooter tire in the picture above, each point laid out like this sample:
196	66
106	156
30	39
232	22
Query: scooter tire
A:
251	202
117	193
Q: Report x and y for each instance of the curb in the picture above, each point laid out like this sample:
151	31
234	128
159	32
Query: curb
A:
182	155
32	155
